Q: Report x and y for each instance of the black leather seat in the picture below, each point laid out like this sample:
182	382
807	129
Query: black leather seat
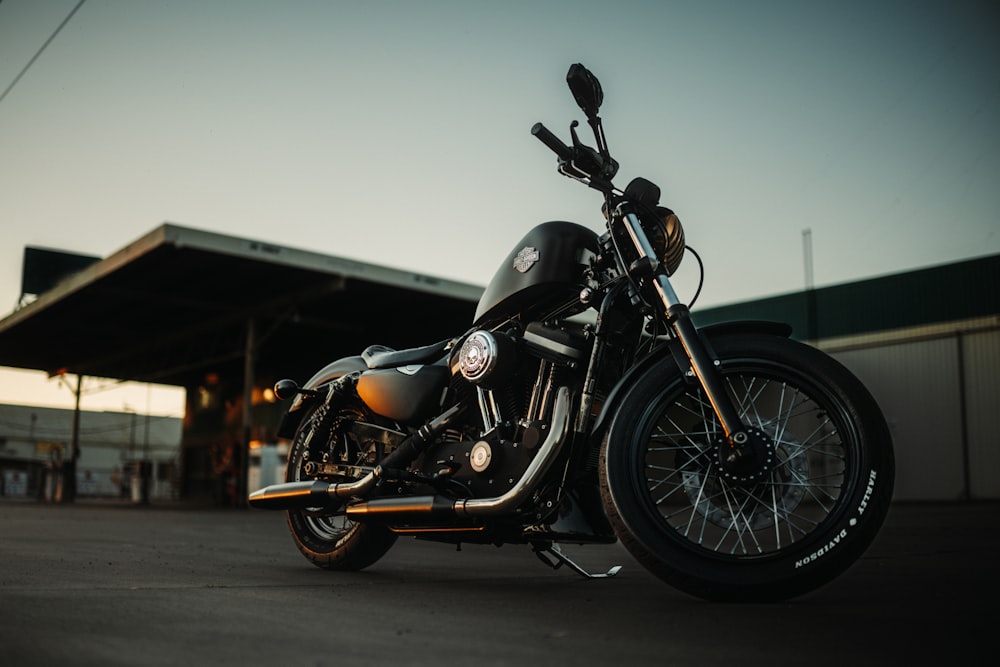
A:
380	356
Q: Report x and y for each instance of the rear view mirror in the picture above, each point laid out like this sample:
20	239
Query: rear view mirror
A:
586	89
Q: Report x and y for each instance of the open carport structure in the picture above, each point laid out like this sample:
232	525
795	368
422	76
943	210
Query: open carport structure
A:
225	317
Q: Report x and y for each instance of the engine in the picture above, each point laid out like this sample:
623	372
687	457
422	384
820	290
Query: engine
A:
513	376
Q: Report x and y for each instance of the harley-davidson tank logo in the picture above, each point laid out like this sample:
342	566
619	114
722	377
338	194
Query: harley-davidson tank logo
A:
526	259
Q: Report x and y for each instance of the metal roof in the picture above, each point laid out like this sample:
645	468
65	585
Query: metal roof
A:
944	293
177	303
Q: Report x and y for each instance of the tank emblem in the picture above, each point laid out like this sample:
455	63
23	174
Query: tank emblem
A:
526	259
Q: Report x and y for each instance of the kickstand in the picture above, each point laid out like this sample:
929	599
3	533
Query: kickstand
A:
543	548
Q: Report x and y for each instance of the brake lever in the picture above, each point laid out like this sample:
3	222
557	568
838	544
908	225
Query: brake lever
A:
576	138
589	165
585	158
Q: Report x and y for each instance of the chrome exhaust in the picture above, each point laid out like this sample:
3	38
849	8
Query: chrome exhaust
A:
313	493
326	495
401	509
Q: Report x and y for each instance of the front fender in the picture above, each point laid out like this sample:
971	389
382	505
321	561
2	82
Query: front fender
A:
290	421
673	348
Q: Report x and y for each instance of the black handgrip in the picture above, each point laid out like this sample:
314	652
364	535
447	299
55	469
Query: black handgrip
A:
552	141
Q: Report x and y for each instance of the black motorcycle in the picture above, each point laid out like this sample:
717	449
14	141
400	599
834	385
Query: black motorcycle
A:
584	406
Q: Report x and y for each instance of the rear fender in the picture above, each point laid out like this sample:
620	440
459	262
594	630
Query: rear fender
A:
673	348
330	372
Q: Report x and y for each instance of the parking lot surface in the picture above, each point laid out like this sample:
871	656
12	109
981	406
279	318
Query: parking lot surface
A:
108	584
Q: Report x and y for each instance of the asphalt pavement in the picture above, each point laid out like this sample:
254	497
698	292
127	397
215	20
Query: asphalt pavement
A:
109	584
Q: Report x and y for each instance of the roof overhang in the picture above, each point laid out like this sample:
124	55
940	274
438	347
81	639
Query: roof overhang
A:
179	302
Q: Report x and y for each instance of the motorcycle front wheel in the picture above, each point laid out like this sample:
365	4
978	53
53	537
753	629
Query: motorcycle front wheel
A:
328	538
807	514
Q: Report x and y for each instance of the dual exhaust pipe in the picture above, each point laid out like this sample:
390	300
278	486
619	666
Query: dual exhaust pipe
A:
317	493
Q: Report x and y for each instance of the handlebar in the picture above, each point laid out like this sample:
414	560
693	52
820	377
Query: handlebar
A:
552	141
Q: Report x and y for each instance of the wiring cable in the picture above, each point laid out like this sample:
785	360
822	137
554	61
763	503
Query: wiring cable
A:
39	52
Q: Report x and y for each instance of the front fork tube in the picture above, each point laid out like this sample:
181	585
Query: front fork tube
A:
705	371
679	318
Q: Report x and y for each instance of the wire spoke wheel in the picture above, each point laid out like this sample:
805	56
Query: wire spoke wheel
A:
796	493
326	536
336	445
812	501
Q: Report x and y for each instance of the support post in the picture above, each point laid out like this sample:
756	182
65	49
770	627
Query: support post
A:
248	381
69	465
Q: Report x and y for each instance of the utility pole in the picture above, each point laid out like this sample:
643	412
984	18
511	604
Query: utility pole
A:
812	326
807	256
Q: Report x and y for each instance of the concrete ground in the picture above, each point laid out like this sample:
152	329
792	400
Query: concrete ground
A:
107	584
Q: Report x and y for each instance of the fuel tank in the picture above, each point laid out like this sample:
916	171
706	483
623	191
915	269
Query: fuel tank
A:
408	394
544	270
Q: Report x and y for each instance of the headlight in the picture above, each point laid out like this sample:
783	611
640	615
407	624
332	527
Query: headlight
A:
666	234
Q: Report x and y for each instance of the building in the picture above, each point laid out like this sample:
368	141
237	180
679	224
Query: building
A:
927	345
122	454
224	318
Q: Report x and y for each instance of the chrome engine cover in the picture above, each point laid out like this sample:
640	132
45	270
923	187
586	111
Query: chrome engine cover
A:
478	356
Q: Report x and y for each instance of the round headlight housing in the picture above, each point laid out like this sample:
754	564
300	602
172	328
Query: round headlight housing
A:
666	234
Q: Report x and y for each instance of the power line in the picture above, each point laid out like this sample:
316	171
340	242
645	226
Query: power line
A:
35	57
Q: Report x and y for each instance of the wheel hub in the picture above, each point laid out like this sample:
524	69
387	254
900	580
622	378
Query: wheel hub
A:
746	461
703	475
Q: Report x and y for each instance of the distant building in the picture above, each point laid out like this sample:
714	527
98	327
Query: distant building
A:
122	454
926	343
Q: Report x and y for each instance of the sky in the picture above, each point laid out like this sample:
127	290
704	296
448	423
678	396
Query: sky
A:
398	132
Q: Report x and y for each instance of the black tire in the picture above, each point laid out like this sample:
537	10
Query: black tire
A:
331	540
808	516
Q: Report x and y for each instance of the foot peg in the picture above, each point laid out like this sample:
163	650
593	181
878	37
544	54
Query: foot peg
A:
546	552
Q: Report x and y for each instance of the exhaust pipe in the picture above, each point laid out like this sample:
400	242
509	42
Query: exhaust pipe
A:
300	495
390	509
401	509
315	493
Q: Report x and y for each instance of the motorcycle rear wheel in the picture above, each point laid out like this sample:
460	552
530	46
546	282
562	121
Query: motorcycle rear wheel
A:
330	540
810	513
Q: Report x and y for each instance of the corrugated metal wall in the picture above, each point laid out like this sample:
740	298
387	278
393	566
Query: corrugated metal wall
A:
940	392
927	343
981	353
